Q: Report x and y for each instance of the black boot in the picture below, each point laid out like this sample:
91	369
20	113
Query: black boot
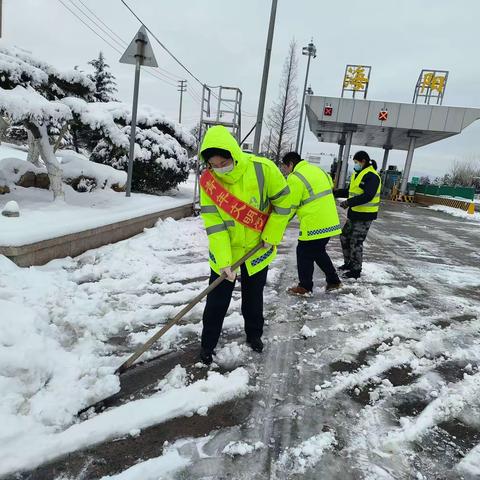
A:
345	266
256	344
353	274
206	356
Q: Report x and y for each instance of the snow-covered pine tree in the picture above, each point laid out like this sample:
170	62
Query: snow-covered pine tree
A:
105	84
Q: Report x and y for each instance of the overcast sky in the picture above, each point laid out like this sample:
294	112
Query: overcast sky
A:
223	42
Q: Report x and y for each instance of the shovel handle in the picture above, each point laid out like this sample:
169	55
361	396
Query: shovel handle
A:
141	350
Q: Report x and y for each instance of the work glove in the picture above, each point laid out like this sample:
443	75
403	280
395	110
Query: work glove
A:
230	275
344	204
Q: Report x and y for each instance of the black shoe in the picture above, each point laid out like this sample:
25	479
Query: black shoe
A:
206	356
345	266
333	286
256	344
353	274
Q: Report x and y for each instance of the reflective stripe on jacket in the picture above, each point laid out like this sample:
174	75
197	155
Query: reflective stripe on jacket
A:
256	181
312	197
355	189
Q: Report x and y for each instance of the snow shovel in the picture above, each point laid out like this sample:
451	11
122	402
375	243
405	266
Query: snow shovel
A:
140	351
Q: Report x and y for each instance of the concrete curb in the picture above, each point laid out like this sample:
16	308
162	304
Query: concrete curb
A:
74	244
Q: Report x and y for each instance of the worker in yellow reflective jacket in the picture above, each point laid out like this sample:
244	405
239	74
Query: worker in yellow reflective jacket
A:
244	200
363	204
312	199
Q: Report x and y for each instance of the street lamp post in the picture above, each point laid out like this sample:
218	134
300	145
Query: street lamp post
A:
308	92
311	51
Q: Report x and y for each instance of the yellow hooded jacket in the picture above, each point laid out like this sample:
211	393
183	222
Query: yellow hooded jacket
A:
256	181
312	198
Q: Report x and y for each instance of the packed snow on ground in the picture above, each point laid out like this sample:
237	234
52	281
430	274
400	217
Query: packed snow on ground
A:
456	212
55	354
306	455
232	355
234	449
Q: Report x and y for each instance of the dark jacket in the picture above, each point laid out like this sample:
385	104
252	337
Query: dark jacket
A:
369	185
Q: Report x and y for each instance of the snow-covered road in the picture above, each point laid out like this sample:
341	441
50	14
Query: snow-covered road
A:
378	381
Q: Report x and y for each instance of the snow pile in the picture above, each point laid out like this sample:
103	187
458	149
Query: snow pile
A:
75	165
12	168
234	449
231	355
160	468
55	357
308	453
47	374
11	209
176	378
456	212
307	332
36	448
470	464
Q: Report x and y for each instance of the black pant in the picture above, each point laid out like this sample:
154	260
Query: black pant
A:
310	252
218	302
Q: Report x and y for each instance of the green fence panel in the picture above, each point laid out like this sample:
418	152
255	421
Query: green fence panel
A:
465	192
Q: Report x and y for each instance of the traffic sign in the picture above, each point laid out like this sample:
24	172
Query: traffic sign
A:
383	115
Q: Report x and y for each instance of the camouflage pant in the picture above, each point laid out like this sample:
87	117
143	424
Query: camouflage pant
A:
352	238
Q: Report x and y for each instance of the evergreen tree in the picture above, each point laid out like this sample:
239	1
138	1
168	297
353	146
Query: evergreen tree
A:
105	84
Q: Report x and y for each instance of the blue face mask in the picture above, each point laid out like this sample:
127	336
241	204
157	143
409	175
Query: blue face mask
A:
357	167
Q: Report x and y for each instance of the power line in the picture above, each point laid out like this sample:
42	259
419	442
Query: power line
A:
119	43
151	73
122	42
88	26
171	54
161	44
101	21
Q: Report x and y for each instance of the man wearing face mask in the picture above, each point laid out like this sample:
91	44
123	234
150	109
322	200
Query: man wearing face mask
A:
313	202
244	200
363	204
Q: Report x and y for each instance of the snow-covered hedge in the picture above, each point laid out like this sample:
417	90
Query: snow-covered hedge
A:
57	108
161	153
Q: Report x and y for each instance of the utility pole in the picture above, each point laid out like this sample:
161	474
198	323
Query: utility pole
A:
1	18
311	51
263	88
182	87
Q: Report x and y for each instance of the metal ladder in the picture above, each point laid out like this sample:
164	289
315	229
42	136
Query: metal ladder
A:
228	113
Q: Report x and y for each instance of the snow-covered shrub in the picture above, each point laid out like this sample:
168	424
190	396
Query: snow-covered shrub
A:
160	162
161	150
